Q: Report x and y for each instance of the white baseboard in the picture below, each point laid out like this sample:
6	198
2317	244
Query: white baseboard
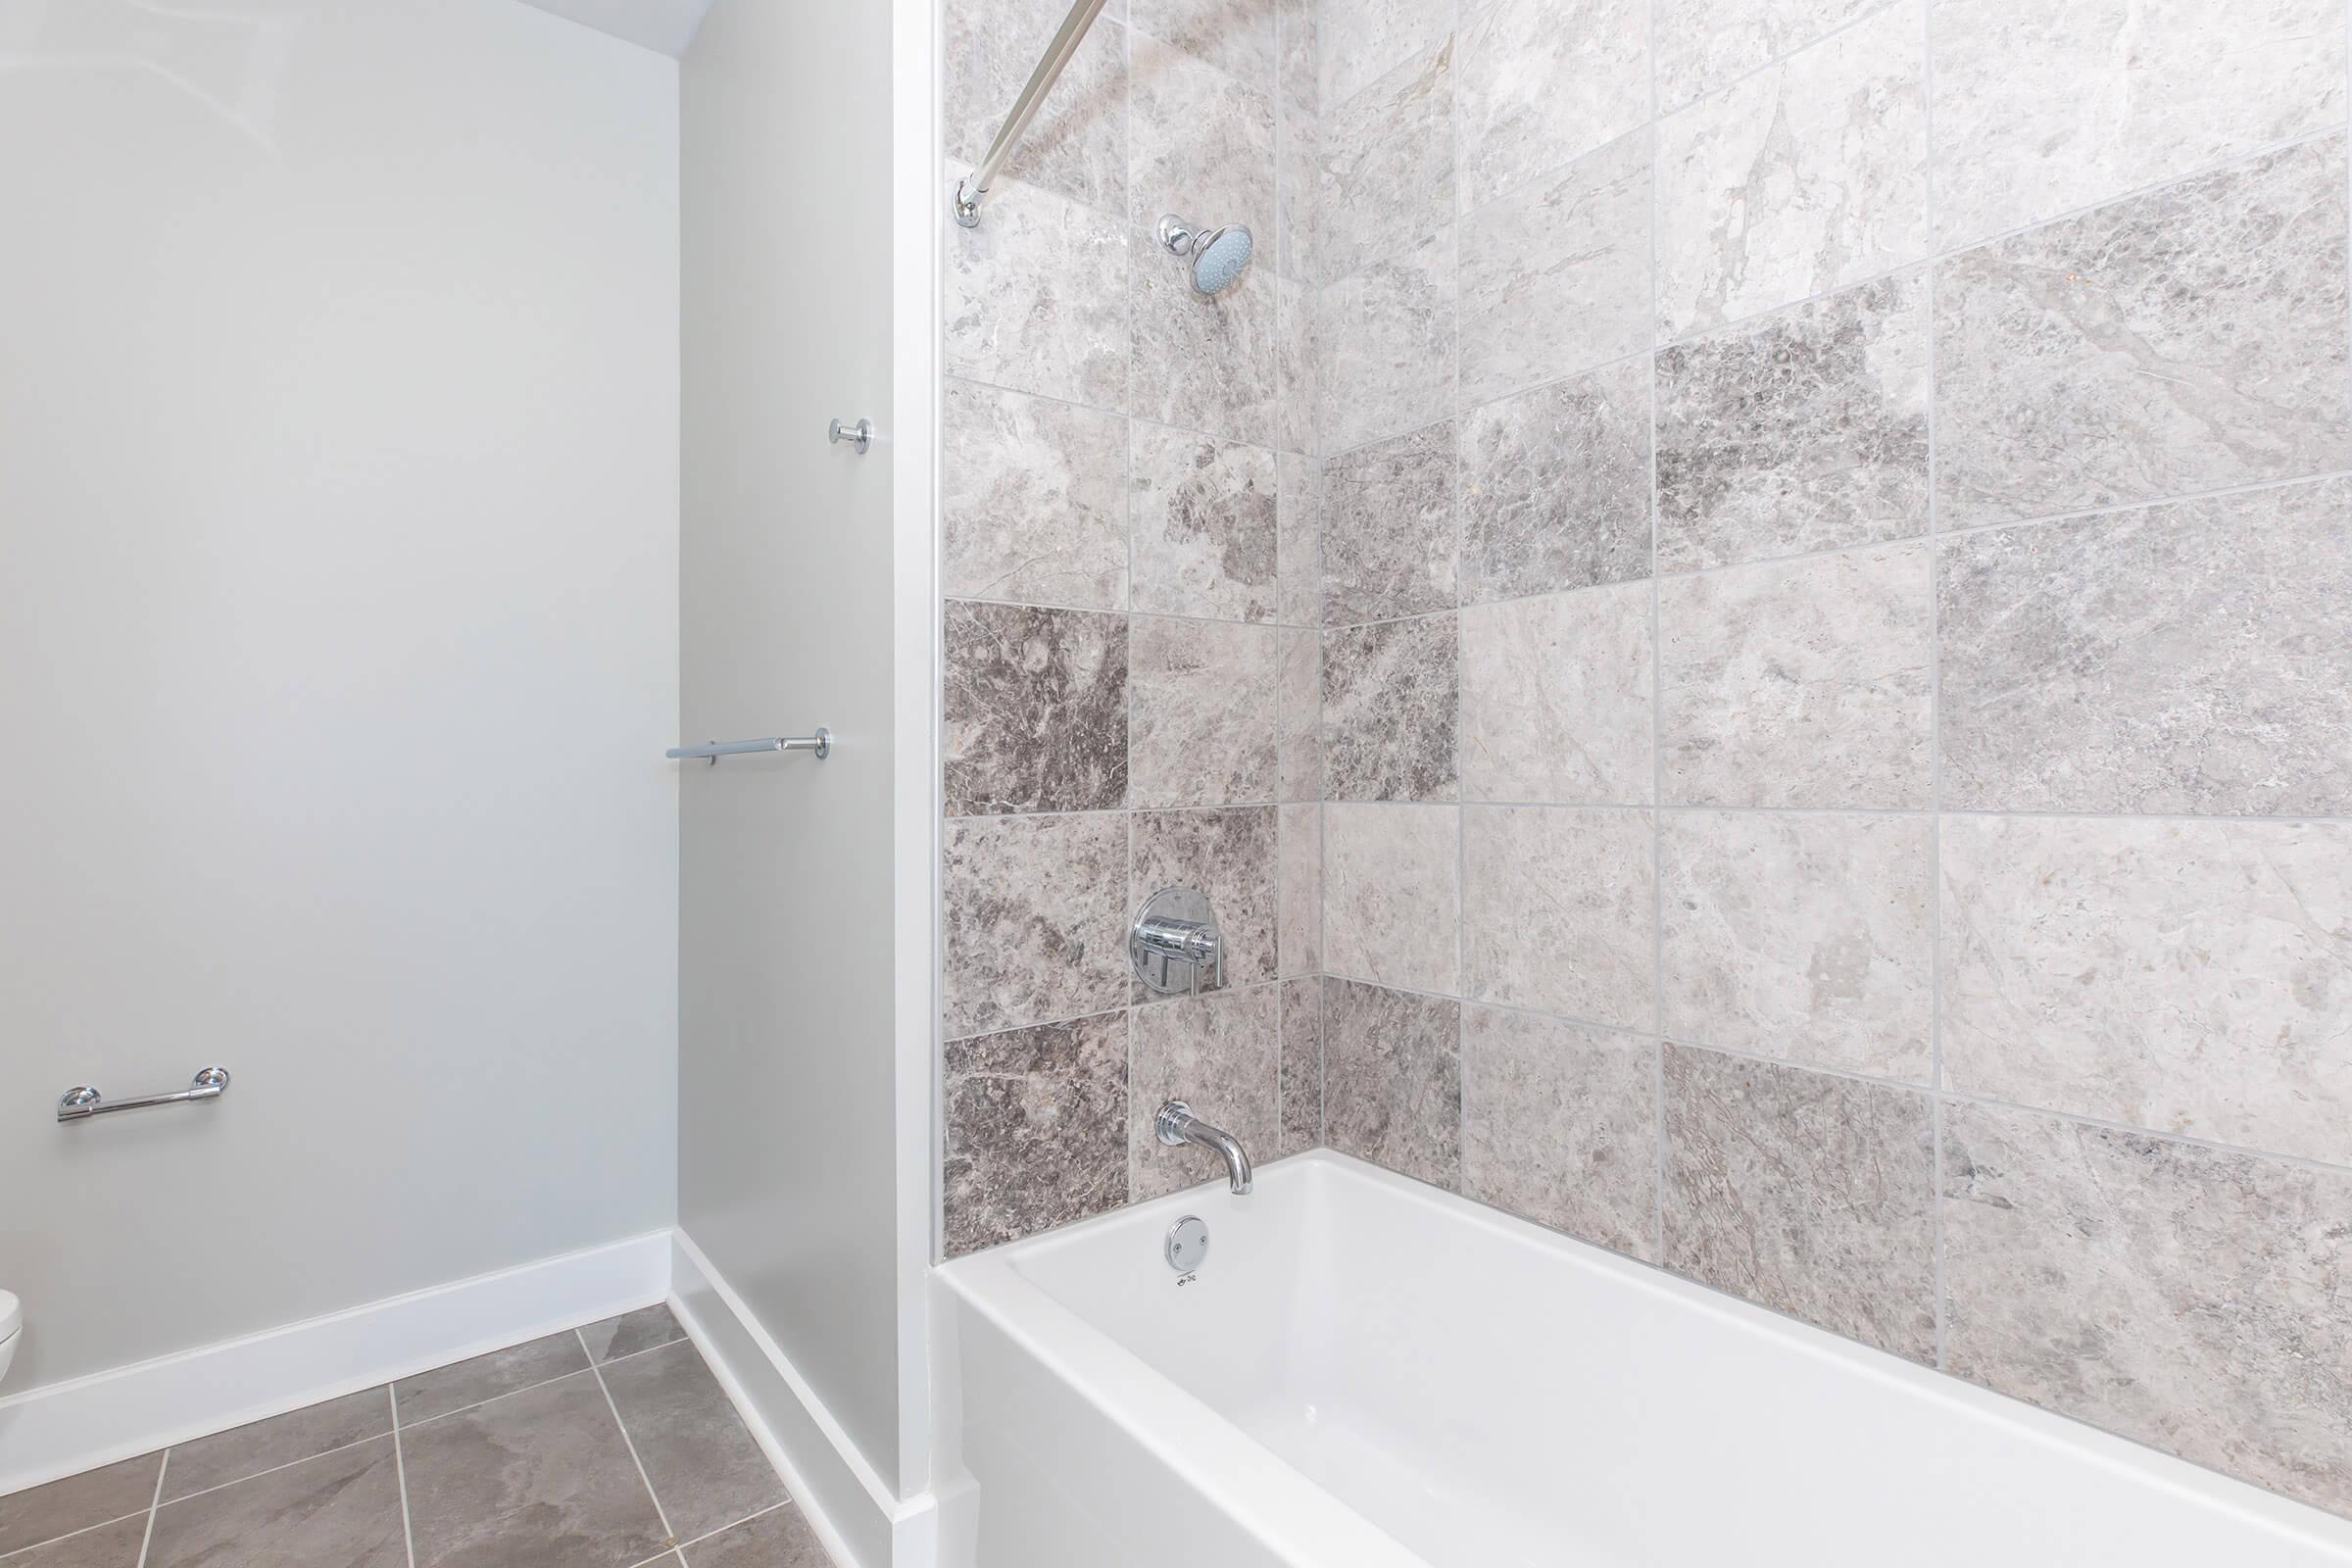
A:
860	1520
64	1428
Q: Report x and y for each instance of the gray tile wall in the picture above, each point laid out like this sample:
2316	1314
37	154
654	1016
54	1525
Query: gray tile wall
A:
1131	559
1808	642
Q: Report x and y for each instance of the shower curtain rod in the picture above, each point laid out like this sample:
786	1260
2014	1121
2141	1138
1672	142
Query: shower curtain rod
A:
1072	32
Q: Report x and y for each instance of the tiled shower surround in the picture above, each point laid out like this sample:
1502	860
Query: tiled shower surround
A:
1749	619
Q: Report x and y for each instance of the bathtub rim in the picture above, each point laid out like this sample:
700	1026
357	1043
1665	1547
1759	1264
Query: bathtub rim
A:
1127	1389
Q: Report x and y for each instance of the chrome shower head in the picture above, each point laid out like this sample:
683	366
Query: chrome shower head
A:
1218	256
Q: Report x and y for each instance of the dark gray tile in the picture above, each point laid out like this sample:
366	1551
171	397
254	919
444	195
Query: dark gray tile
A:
115	1546
1301	1065
1036	1129
1391	706
1392	1080
1555	487
303	1433
1035	709
1389	545
781	1539
541	1480
2190	339
1230	856
1559	1125
2177	659
1221	1054
1808	1193
642	1330
2195	1299
1805	431
704	1466
1035	918
486	1377
340	1510
93	1497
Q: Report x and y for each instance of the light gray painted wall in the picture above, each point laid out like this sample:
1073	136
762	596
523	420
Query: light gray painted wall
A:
787	1122
338	628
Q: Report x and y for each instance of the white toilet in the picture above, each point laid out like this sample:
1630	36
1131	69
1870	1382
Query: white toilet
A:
12	1318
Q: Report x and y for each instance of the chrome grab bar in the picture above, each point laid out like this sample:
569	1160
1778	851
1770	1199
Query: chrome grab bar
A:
81	1102
820	743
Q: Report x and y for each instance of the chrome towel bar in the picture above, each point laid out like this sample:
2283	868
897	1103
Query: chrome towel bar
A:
820	743
83	1102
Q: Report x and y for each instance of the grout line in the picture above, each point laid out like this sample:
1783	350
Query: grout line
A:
155	1507
543	1381
322	1454
622	1427
103	1523
678	1549
400	1473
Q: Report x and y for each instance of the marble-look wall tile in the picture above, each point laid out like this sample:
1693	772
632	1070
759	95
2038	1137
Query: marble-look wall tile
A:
1799	684
1822	158
1559	1125
1077	146
2190	339
1301	1066
1221	1054
1555	278
1299	916
1237	36
1389	542
1205	363
1298	172
1203	515
1363	40
1034	502
1804	431
1299	740
1392	895
1385	163
1802	937
1386	336
1299	540
1035	1125
1229	856
1556	486
1810	1193
2043	108
1392	1080
2196	1301
1034	919
1706	44
2187	978
1200	717
1392	699
1556	698
1297	65
1035	709
1560	911
2187	657
1200	135
1037	297
1297	367
1544	82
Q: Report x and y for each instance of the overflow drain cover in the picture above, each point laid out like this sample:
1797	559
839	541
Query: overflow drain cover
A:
1188	1243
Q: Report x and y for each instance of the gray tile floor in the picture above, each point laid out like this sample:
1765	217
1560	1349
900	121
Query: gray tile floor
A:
608	1446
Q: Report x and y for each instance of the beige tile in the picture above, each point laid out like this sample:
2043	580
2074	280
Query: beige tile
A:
1809	1194
2187	977
1558	912
1392	894
1559	1125
2189	1299
1806	937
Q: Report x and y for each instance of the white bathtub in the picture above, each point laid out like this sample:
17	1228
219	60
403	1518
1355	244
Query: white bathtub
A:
1371	1373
